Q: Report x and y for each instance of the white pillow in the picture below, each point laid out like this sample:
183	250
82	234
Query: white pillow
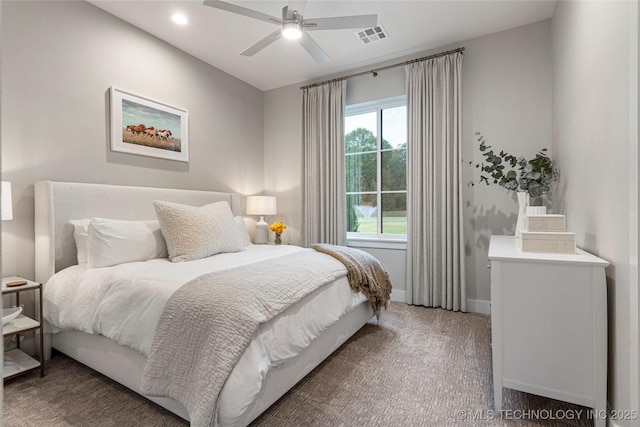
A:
113	241
242	230
80	229
197	232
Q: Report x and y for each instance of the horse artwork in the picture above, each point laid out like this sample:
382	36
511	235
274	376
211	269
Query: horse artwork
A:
142	126
147	133
139	130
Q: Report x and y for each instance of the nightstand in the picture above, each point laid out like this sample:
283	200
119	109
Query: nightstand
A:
16	361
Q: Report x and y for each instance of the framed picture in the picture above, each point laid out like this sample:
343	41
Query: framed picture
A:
142	126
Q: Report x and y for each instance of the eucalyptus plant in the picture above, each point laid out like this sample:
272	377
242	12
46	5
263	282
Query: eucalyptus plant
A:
516	173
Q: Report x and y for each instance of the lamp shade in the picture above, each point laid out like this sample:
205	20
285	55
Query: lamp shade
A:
261	205
6	204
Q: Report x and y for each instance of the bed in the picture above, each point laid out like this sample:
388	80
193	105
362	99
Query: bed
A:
257	381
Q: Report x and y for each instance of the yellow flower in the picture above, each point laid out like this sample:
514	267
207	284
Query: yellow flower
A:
278	227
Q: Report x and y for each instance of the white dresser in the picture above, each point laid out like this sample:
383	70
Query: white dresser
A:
549	325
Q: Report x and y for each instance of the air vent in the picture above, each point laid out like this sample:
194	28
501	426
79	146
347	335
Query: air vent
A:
373	34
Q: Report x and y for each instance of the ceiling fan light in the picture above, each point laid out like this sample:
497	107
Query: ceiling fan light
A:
291	30
179	19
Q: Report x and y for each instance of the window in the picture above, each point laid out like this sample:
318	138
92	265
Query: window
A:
376	169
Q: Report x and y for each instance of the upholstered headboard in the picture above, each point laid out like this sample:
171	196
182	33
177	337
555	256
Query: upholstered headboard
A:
56	203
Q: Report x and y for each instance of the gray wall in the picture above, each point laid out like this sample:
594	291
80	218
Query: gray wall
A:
506	95
58	61
595	143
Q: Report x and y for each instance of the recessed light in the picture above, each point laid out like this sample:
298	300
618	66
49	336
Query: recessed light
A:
179	19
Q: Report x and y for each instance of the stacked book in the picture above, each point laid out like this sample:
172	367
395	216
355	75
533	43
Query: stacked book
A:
546	233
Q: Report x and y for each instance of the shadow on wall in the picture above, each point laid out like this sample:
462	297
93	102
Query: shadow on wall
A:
18	235
585	240
557	196
488	222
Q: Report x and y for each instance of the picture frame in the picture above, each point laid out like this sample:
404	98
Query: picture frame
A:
145	127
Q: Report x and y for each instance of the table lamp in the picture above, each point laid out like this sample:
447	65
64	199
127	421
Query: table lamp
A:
6	205
261	205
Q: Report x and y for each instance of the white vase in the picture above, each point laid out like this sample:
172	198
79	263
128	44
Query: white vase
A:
523	204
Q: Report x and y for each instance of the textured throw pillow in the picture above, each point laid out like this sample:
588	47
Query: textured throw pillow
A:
112	242
197	232
242	230
80	233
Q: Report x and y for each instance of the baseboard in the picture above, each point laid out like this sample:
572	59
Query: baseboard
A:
473	305
478	306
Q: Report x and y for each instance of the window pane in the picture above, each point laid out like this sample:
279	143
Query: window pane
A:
362	213
394	170
376	168
394	127
394	213
361	172
361	133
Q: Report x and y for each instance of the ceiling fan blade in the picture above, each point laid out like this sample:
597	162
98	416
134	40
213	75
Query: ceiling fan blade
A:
262	43
314	49
217	4
342	22
297	5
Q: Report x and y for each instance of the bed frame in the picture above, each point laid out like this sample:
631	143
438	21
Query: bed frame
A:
56	203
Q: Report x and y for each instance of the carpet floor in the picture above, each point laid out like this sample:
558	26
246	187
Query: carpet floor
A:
418	367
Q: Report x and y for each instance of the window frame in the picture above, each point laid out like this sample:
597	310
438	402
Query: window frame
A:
377	106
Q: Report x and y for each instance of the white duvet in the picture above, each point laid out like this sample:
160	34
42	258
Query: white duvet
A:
124	303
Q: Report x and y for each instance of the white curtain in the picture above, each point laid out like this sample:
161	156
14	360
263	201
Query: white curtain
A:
435	246
324	204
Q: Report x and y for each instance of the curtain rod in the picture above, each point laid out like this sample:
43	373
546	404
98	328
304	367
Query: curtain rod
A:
375	70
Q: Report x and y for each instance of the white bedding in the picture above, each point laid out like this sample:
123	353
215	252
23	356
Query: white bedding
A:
124	304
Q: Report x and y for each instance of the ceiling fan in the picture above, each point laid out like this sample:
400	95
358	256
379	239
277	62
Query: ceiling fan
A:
294	26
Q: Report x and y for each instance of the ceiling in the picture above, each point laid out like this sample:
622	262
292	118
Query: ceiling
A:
217	37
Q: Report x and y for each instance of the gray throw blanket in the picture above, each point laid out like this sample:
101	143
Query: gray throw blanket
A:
365	273
209	322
